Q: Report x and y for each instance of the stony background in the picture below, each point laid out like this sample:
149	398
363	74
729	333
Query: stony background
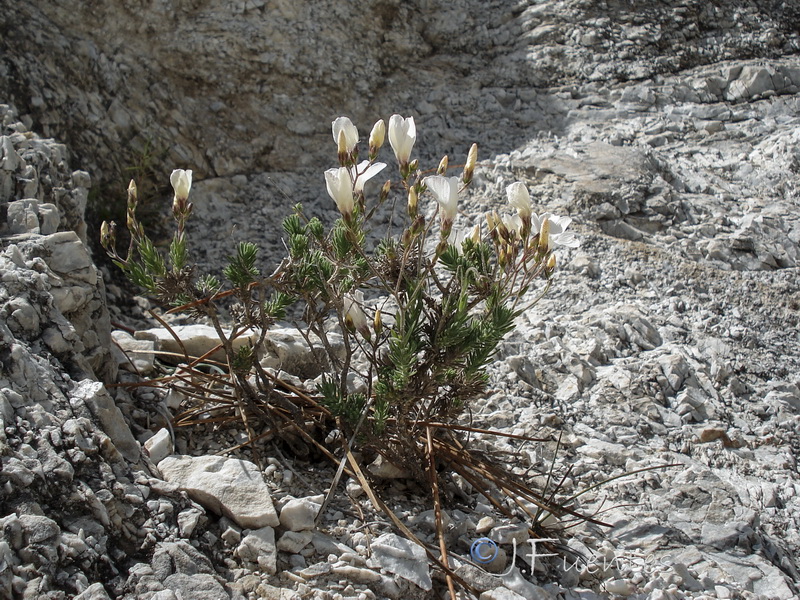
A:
669	132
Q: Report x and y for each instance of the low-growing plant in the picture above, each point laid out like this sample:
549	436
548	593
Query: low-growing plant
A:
407	324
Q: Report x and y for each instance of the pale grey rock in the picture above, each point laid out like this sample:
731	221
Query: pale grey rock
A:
179	557
197	340
23	217
132	354
96	591
287	350
294	541
188	520
402	558
500	593
325	545
507	534
357	574
227	486
299	514
258	546
95	396
383	469
159	446
202	586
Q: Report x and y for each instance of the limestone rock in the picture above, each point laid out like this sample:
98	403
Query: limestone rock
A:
231	487
403	558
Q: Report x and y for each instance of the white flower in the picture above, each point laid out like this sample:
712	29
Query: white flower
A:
514	224
340	188
446	191
364	172
557	234
354	316
402	135
519	198
457	237
181	182
377	135
345	125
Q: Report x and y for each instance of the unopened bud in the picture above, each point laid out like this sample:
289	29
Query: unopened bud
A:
501	228
442	166
376	137
412	202
377	322
344	155
544	236
108	234
550	267
132	194
413	165
476	233
385	191
469	167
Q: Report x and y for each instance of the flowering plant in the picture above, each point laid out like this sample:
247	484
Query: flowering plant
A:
420	316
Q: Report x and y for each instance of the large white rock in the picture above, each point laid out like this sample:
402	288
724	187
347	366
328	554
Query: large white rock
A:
227	486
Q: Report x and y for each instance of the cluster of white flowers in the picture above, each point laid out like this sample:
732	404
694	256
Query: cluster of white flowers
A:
555	226
345	185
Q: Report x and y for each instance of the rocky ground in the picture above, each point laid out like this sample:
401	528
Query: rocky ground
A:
671	337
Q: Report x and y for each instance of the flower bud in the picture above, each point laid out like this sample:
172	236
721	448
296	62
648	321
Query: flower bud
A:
442	166
376	137
550	267
476	233
377	322
469	167
108	235
340	188
345	134
344	155
412	202
354	317
402	135
385	191
544	236
182	183
132	194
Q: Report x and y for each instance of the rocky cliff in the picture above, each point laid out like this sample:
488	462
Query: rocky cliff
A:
669	132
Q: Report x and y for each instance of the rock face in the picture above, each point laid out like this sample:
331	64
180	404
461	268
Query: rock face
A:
77	503
264	78
668	131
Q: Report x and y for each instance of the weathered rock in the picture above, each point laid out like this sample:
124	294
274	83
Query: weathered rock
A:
231	487
403	558
258	547
299	514
94	395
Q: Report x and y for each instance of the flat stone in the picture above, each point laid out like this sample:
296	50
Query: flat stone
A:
197	340
227	486
294	541
403	558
